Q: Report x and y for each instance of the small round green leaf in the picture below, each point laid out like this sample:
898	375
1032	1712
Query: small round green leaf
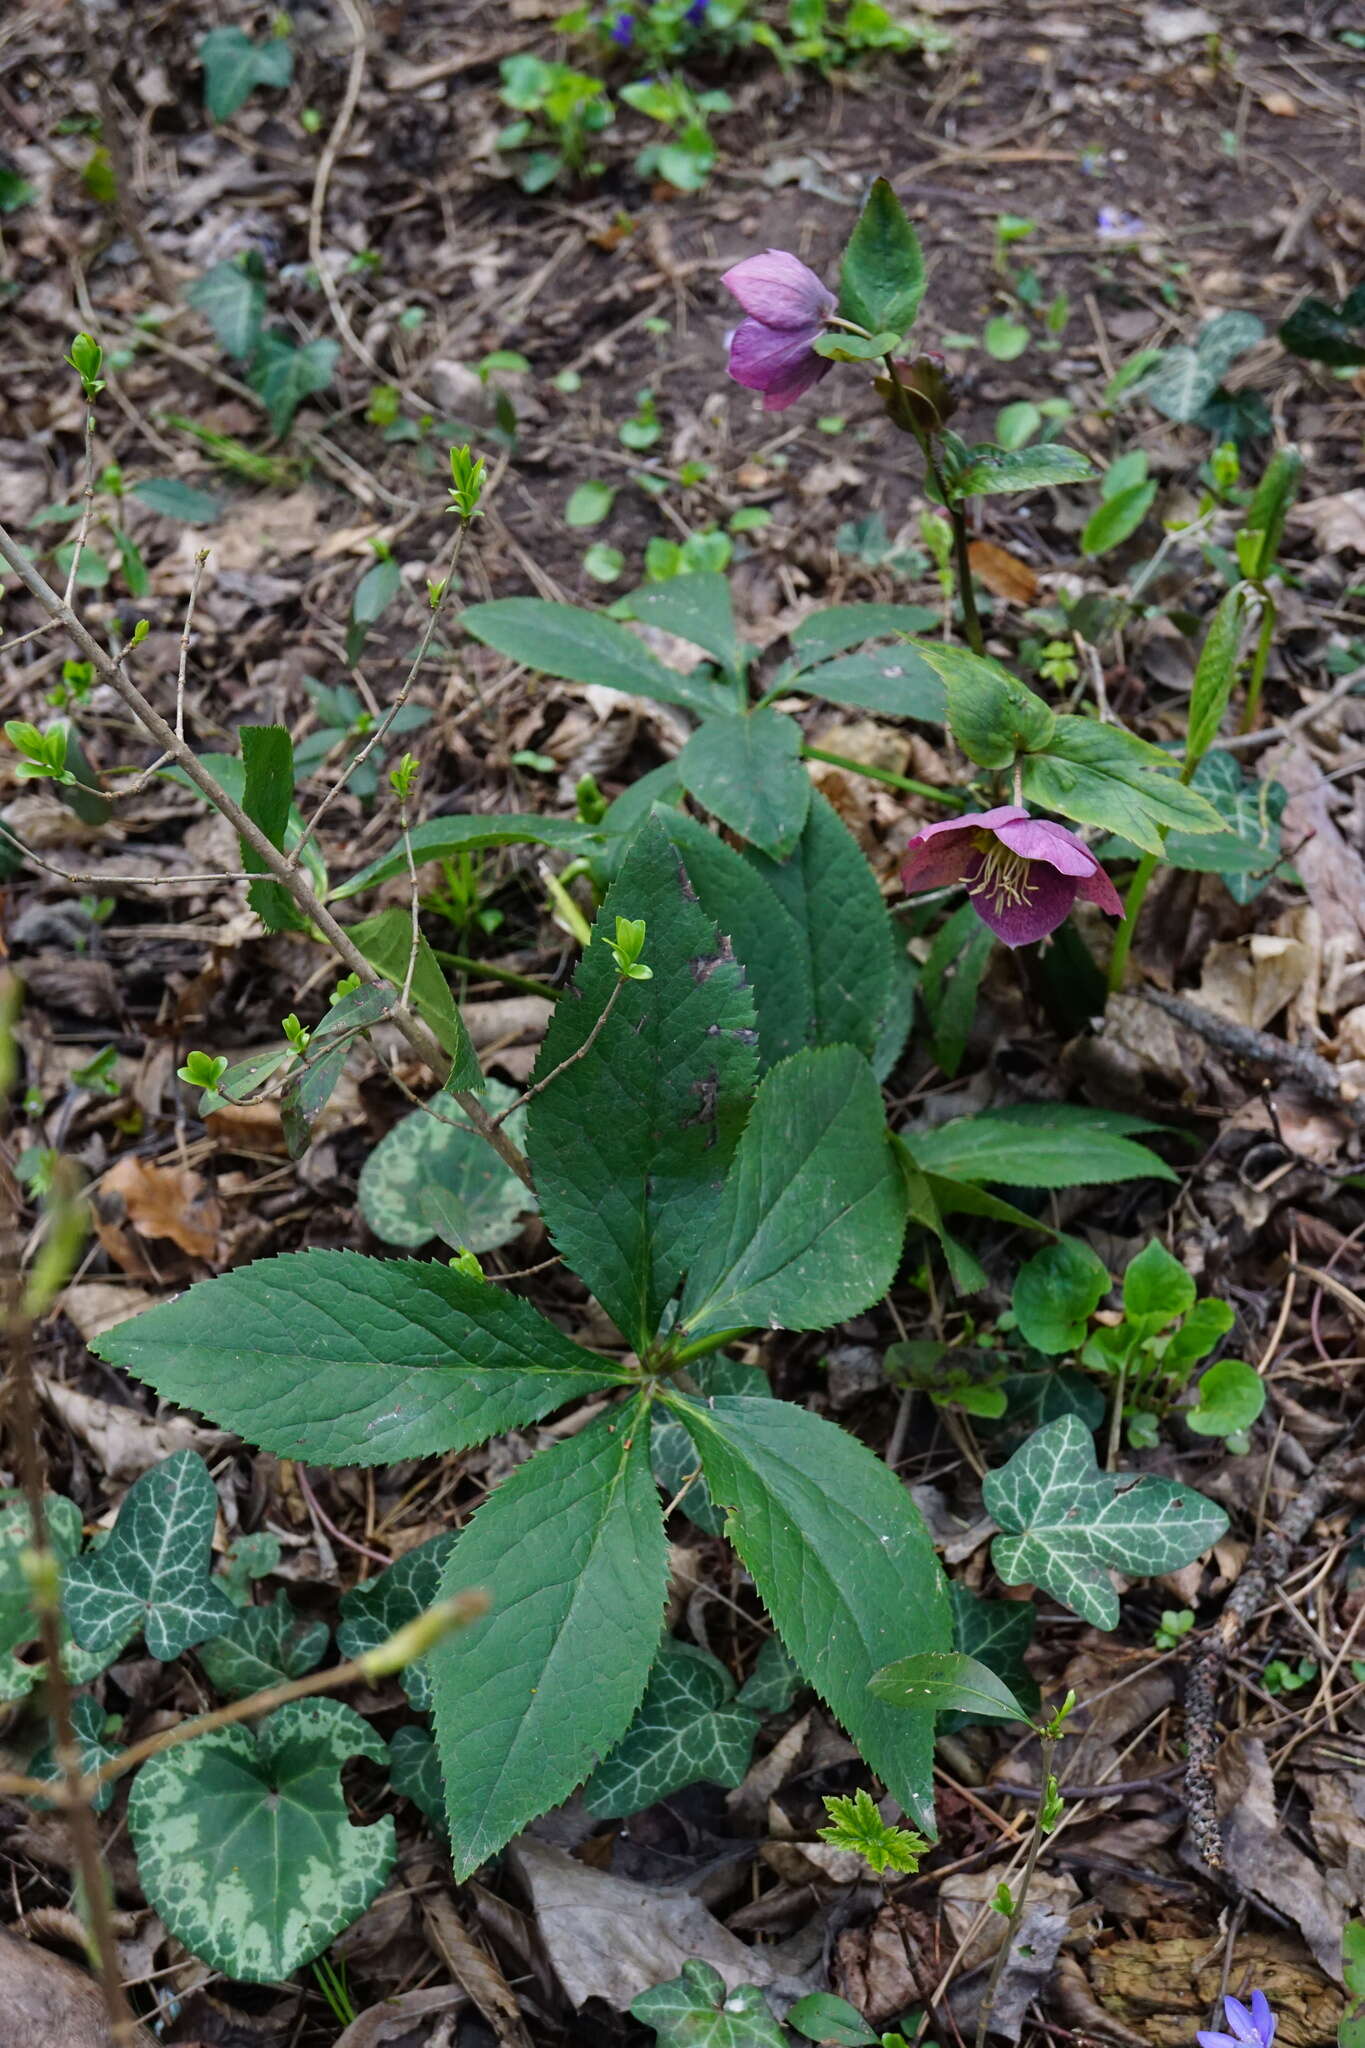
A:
434	1151
1231	1396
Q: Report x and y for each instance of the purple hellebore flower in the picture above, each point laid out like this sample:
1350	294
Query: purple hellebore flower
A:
1246	2029
1023	874
623	31
788	307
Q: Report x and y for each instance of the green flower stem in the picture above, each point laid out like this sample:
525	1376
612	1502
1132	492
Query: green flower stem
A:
1264	640
701	1347
1132	911
484	970
976	639
906	782
1048	1749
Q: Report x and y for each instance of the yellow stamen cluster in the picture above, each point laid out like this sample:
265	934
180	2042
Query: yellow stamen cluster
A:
1004	876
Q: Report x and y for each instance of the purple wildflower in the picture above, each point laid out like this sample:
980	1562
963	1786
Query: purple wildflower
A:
623	31
1112	224
1246	2029
788	307
1022	874
696	13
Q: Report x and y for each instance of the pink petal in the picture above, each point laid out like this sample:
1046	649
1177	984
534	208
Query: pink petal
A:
966	821
790	386
762	358
1047	897
1098	888
1037	839
934	867
778	289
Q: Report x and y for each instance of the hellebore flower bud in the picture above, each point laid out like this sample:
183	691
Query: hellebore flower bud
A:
787	308
926	397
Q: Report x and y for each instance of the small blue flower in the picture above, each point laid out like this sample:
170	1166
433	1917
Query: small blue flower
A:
1112	224
1247	2029
696	13
623	31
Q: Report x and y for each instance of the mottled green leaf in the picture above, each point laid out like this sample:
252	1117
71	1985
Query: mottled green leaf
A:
571	1552
415	1774
231	298
285	372
695	2010
688	1727
170	498
373	1610
842	1562
151	1575
244	1846
809	1225
630	1144
748	771
773	1683
234	65
436	1149
1067	1524
344	1360
93	1729
264	1646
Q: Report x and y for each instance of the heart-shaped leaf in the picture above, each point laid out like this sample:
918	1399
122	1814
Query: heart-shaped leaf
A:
434	1151
1067	1524
371	1612
1055	1294
1231	1396
152	1574
244	1845
688	1727
694	2010
265	1646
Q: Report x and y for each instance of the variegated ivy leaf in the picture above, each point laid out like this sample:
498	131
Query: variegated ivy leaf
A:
771	1686
244	1845
672	1452
264	1646
251	1557
1067	1524
694	2010
415	1774
18	1621
152	1574
688	1727
372	1611
91	1727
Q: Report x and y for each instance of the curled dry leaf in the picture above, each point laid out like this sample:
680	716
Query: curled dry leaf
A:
125	1442
406	2020
1003	574
158	1201
1262	1861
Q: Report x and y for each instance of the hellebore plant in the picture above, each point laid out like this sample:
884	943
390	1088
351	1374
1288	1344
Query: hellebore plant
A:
1022	874
788	308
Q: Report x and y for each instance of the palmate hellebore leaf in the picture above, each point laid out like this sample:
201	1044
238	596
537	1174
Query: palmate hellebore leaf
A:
151	1576
1066	1524
244	1844
689	1727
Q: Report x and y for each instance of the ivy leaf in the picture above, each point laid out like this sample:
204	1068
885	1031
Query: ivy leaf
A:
1066	1523
695	2010
285	372
434	1152
152	1572
943	1681
231	298
415	1774
1228	335
571	1552
18	1620
264	1646
774	1681
748	771
630	1143
244	1846
688	1727
993	470
1040	1145
1179	385
881	281
672	1452
345	1360
583	647
371	1611
92	1727
842	1562
809	1225
234	65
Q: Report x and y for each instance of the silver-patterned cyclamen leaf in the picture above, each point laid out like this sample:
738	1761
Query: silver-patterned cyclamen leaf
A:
244	1845
689	1727
152	1575
1066	1523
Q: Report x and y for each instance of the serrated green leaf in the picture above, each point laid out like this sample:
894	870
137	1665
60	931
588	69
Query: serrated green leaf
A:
344	1360
695	2010
432	1152
672	1453
688	1728
264	1646
992	715
1022	469
234	65
1116	518
809	1226
950	980
169	498
231	298
310	1085
748	771
1055	1294
244	1845
386	942
583	647
1231	1397
946	1681
1271	500
811	932
894	680
447	838
373	1610
1101	775
838	626
696	608
415	1774
630	1143
151	1576
996	1633
230	775
1067	1524
843	1564
1215	674
881	279
571	1552
285	372
90	1725
1040	1145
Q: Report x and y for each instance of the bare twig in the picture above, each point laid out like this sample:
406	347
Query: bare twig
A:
1047	1748
357	20
1260	1047
423	1041
583	1050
